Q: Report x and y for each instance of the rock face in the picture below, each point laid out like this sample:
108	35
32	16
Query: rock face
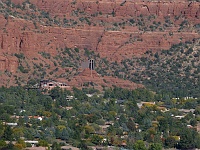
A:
114	45
9	64
110	41
121	7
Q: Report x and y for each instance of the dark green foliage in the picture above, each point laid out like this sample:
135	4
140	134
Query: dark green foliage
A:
45	14
10	146
43	143
64	135
79	94
20	56
8	134
2	144
173	71
55	93
139	145
56	146
77	50
45	55
137	95
170	142
59	95
22	69
155	146
187	139
32	82
19	97
96	139
87	52
86	114
8	3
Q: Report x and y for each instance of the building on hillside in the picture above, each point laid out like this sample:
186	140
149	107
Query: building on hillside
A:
36	148
162	108
50	84
145	104
103	128
10	124
88	64
69	98
179	117
36	117
67	147
186	111
33	144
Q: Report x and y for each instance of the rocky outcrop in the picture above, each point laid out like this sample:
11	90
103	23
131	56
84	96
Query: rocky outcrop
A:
18	42
88	77
122	8
120	44
8	63
18	35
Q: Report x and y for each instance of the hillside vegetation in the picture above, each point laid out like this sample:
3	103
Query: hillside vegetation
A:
175	71
157	49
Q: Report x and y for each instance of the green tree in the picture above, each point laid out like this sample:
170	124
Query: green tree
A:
197	141
2	144
83	145
193	122
155	146
21	142
8	133
64	134
18	132
79	94
1	129
163	124
96	139
187	139
170	142
122	119
139	145
43	143
55	93
56	146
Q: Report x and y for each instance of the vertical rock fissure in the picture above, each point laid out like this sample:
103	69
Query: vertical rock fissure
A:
20	44
2	42
99	40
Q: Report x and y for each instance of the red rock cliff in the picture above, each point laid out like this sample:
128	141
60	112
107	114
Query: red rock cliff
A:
121	43
115	42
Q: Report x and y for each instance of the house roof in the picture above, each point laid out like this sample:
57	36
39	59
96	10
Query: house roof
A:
69	147
36	148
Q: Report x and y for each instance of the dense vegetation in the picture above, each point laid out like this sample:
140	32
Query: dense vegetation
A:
174	72
80	121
